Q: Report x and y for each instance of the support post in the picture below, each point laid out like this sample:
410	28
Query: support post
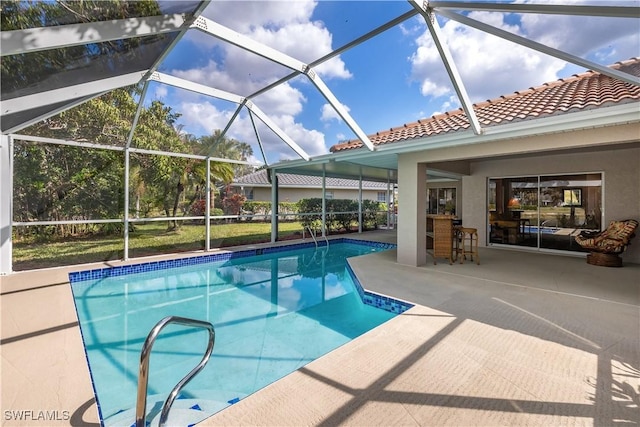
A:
324	201
412	212
274	206
360	203
207	210
389	199
6	204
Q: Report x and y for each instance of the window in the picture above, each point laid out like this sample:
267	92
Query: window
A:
382	196
441	201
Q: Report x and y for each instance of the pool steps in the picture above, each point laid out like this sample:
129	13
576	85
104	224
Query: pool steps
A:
189	408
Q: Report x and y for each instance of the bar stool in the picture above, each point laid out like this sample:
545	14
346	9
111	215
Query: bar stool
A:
470	235
456	243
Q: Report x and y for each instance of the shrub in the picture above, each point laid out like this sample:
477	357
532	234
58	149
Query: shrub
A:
198	207
341	213
262	210
370	216
313	206
232	204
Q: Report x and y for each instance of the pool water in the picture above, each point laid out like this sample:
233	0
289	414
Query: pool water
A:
272	314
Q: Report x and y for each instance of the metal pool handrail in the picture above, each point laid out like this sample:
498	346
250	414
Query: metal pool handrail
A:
313	236
143	378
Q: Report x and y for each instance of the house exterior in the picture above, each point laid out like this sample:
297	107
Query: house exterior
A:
555	159
256	187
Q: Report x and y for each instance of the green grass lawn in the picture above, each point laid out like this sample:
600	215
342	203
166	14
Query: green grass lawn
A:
147	239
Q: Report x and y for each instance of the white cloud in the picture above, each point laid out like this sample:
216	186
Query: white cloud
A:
306	42
245	16
329	113
160	92
203	115
585	36
311	141
431	88
489	66
283	99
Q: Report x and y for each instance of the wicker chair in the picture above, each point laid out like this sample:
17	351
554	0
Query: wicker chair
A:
606	246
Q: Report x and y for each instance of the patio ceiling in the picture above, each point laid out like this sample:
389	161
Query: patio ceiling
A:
30	99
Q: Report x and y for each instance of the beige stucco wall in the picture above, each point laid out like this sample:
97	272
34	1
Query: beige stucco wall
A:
620	167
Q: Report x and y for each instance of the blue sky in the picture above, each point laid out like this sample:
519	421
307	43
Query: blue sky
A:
395	78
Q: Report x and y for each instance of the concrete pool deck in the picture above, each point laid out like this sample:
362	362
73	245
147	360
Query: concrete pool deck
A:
521	339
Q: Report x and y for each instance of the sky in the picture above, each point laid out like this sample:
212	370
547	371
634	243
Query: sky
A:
397	77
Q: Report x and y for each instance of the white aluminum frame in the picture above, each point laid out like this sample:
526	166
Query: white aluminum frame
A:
449	63
61	36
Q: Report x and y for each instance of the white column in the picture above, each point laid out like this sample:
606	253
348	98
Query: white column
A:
412	211
389	198
274	205
125	235
360	203
6	204
207	210
324	201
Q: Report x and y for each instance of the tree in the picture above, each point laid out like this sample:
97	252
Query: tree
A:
165	176
54	182
218	145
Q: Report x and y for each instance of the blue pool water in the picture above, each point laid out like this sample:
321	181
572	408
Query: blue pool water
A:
274	310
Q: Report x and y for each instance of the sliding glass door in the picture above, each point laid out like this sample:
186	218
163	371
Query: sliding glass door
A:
570	204
543	211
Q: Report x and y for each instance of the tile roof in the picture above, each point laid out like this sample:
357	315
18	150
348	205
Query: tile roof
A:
259	178
579	92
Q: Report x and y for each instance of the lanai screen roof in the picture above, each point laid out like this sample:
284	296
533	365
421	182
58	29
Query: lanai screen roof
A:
70	54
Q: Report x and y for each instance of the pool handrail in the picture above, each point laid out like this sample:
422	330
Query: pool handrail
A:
313	236
143	377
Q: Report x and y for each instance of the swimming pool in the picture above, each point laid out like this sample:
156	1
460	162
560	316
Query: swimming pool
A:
274	310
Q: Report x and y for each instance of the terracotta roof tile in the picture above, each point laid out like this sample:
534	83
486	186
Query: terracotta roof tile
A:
578	92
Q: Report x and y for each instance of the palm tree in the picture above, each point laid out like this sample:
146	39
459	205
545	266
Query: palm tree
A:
218	145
